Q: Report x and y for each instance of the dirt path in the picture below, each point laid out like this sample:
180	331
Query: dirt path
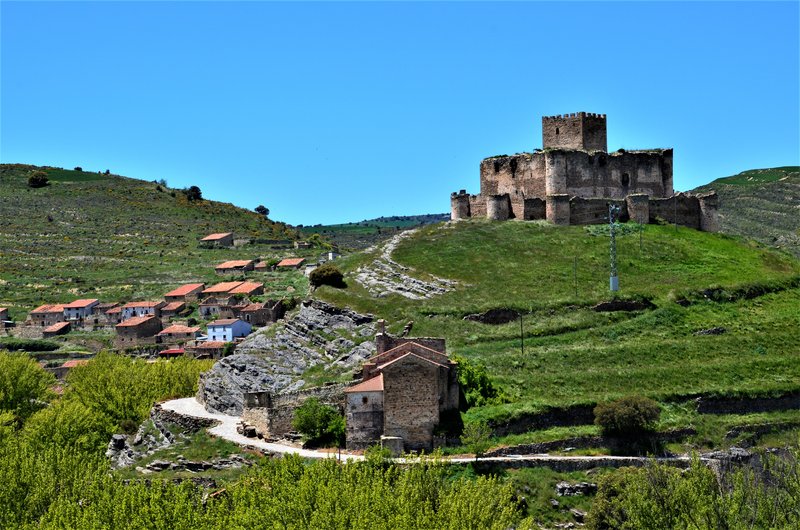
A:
226	429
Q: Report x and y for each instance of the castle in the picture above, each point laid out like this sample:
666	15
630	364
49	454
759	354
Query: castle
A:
573	179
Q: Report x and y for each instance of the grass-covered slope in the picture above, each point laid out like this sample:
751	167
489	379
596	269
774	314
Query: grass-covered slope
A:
573	354
104	236
763	204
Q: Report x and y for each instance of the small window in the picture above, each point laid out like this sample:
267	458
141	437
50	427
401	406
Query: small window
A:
626	180
556	130
364	400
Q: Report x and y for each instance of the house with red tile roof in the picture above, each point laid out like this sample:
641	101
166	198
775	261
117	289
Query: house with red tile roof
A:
140	309
171	310
185	293
59	328
248	288
178	334
403	394
113	315
240	266
47	315
261	314
138	330
80	309
206	349
221	239
220	288
171	352
291	263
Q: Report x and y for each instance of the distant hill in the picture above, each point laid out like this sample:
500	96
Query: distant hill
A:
362	234
762	204
104	236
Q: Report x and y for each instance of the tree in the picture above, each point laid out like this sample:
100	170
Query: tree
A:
628	416
193	193
78	168
319	423
263	210
477	437
327	274
38	179
24	385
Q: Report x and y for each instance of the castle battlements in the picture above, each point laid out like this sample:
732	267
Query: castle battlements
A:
573	178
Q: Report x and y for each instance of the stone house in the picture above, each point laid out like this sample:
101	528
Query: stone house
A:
137	330
290	263
47	315
80	309
219	289
262	314
222	239
178	334
248	289
212	306
140	309
113	315
406	389
59	328
205	349
172	310
185	293
235	266
228	329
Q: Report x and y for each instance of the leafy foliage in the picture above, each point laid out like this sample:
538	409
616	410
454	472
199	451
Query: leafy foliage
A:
477	437
476	384
627	416
263	210
327	274
192	193
319	423
24	385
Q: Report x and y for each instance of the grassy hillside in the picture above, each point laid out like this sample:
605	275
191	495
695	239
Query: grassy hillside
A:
115	238
573	354
763	204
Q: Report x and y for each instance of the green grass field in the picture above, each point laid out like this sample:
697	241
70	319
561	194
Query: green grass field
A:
575	355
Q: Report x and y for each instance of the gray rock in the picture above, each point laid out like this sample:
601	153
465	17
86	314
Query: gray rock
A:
567	489
159	465
319	333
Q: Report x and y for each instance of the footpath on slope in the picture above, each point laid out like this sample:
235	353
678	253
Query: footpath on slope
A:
226	429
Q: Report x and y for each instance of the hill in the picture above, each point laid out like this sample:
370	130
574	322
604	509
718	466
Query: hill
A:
762	204
92	235
563	352
362	234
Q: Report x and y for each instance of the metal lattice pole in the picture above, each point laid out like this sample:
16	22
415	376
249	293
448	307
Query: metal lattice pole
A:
613	211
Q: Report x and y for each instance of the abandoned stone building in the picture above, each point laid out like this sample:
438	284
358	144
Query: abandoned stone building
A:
574	178
405	389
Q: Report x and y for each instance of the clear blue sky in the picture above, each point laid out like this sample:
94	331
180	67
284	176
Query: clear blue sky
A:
328	112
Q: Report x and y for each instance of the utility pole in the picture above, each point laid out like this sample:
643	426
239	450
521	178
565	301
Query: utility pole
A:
575	274
613	211
521	336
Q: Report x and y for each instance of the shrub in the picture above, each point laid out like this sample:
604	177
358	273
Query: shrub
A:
263	210
477	437
319	424
627	416
193	193
24	385
38	179
78	168
476	384
327	274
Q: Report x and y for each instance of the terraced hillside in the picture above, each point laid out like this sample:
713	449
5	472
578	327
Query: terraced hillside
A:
762	204
722	319
115	238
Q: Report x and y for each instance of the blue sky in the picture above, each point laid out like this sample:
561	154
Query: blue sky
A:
330	112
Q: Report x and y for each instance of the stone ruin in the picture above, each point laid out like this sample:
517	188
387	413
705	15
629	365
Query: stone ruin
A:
573	179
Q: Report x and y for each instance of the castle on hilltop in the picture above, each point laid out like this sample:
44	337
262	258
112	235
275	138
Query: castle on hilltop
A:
573	179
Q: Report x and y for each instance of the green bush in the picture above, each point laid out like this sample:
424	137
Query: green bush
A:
477	437
29	345
327	274
38	179
319	424
630	415
476	384
24	385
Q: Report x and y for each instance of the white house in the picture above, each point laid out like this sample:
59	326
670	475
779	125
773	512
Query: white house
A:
141	309
80	309
227	329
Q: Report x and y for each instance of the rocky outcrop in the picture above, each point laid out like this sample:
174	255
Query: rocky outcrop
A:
385	276
274	360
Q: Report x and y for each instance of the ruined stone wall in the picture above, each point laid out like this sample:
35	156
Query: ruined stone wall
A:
364	418
593	211
411	402
681	208
477	206
522	173
385	342
272	415
534	209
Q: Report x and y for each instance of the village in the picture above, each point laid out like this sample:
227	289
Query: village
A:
195	319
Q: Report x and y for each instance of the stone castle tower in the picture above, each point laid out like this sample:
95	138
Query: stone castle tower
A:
574	178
